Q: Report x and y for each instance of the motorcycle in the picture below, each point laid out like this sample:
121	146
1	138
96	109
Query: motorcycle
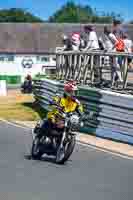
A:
61	140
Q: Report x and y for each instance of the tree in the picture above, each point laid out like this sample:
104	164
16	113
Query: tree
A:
72	13
17	15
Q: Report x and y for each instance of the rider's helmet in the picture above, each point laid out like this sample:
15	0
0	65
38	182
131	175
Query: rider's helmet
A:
70	88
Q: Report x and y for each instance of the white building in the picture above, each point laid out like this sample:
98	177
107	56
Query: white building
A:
14	67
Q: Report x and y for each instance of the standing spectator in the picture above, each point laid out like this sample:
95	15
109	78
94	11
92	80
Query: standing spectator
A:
118	31
92	44
119	47
67	43
128	43
91	38
117	28
67	47
71	43
112	42
107	39
128	48
75	38
75	41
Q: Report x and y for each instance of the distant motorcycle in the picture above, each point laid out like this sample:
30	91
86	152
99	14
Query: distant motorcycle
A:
60	142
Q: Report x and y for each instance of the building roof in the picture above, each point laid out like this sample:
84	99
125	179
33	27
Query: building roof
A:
38	37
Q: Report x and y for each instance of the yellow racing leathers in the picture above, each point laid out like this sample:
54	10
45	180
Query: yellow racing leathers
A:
69	104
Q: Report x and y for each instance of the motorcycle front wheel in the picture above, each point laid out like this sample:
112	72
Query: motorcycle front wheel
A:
64	153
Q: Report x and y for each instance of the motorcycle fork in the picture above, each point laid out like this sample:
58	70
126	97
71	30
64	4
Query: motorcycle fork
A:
63	137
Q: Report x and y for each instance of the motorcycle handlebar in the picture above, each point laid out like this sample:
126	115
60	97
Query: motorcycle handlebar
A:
60	108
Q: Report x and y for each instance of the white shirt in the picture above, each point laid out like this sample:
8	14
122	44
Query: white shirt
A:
107	42
113	38
92	41
75	47
128	45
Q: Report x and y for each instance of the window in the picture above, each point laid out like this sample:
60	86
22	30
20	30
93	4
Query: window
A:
10	58
6	58
42	59
45	59
1	58
38	58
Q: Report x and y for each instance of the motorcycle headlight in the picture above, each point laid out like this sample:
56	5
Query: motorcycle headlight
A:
74	119
81	124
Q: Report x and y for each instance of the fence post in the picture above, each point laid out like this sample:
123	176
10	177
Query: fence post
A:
92	69
125	73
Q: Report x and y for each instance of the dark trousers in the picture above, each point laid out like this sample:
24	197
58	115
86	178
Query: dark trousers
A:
45	128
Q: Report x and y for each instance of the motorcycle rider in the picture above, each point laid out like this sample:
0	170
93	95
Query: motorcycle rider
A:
68	102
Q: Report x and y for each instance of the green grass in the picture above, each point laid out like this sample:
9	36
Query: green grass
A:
21	108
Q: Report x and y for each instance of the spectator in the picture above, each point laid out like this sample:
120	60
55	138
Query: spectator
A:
107	39
75	38
128	43
128	48
91	39
92	44
119	46
71	43
111	42
117	29
67	43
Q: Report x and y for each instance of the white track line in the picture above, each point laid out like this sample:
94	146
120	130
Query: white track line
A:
78	142
14	124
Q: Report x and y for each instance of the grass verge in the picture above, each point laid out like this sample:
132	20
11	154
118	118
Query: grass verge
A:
20	107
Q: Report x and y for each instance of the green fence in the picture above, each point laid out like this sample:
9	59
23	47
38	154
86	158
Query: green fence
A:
11	79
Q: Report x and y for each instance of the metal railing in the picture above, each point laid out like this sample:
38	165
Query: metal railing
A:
90	67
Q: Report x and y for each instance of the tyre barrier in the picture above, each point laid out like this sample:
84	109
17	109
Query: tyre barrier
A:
113	112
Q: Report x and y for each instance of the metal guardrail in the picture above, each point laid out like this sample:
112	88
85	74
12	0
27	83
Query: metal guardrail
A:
83	66
113	112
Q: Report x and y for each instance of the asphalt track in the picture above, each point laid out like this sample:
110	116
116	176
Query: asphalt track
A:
89	175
